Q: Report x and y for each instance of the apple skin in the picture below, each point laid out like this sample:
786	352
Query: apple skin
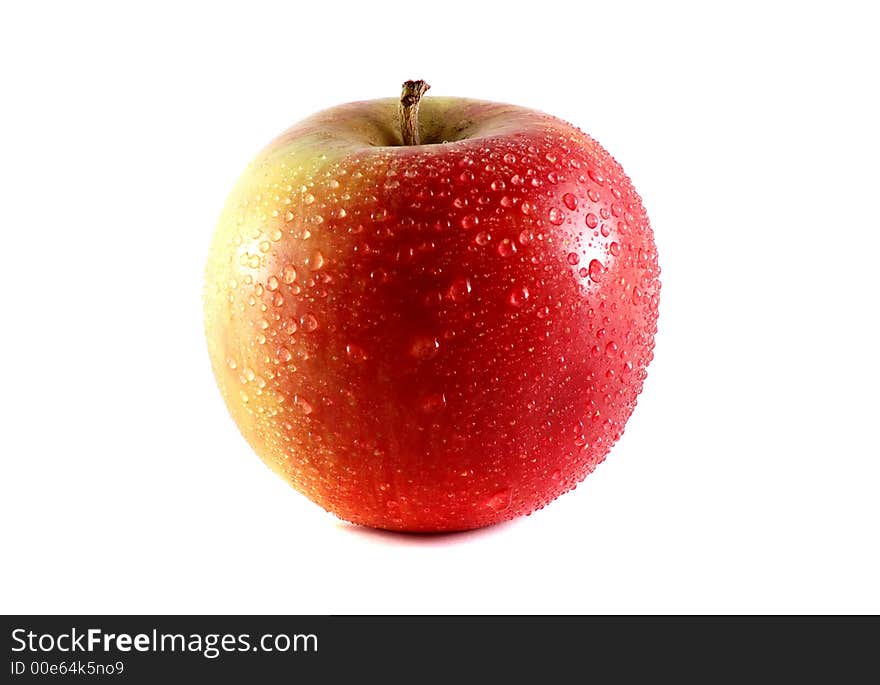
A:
435	337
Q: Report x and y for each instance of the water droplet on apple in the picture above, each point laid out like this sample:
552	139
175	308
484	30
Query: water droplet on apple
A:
556	216
283	354
308	198
518	296
506	247
272	283
482	238
308	322
316	261
525	237
614	249
596	270
509	158
460	289
288	274
573	258
469	221
592	220
596	176
499	501
303	405
570	201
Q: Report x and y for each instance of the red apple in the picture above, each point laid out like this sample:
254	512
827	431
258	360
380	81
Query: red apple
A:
435	336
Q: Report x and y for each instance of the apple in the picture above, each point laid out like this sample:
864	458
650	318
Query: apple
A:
432	314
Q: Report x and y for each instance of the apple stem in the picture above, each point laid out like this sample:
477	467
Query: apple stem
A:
409	110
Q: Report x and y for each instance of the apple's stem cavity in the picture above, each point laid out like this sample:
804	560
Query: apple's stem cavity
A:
409	110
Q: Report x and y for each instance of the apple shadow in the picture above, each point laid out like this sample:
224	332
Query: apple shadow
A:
442	539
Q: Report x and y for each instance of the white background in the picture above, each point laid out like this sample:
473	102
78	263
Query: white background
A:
747	480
